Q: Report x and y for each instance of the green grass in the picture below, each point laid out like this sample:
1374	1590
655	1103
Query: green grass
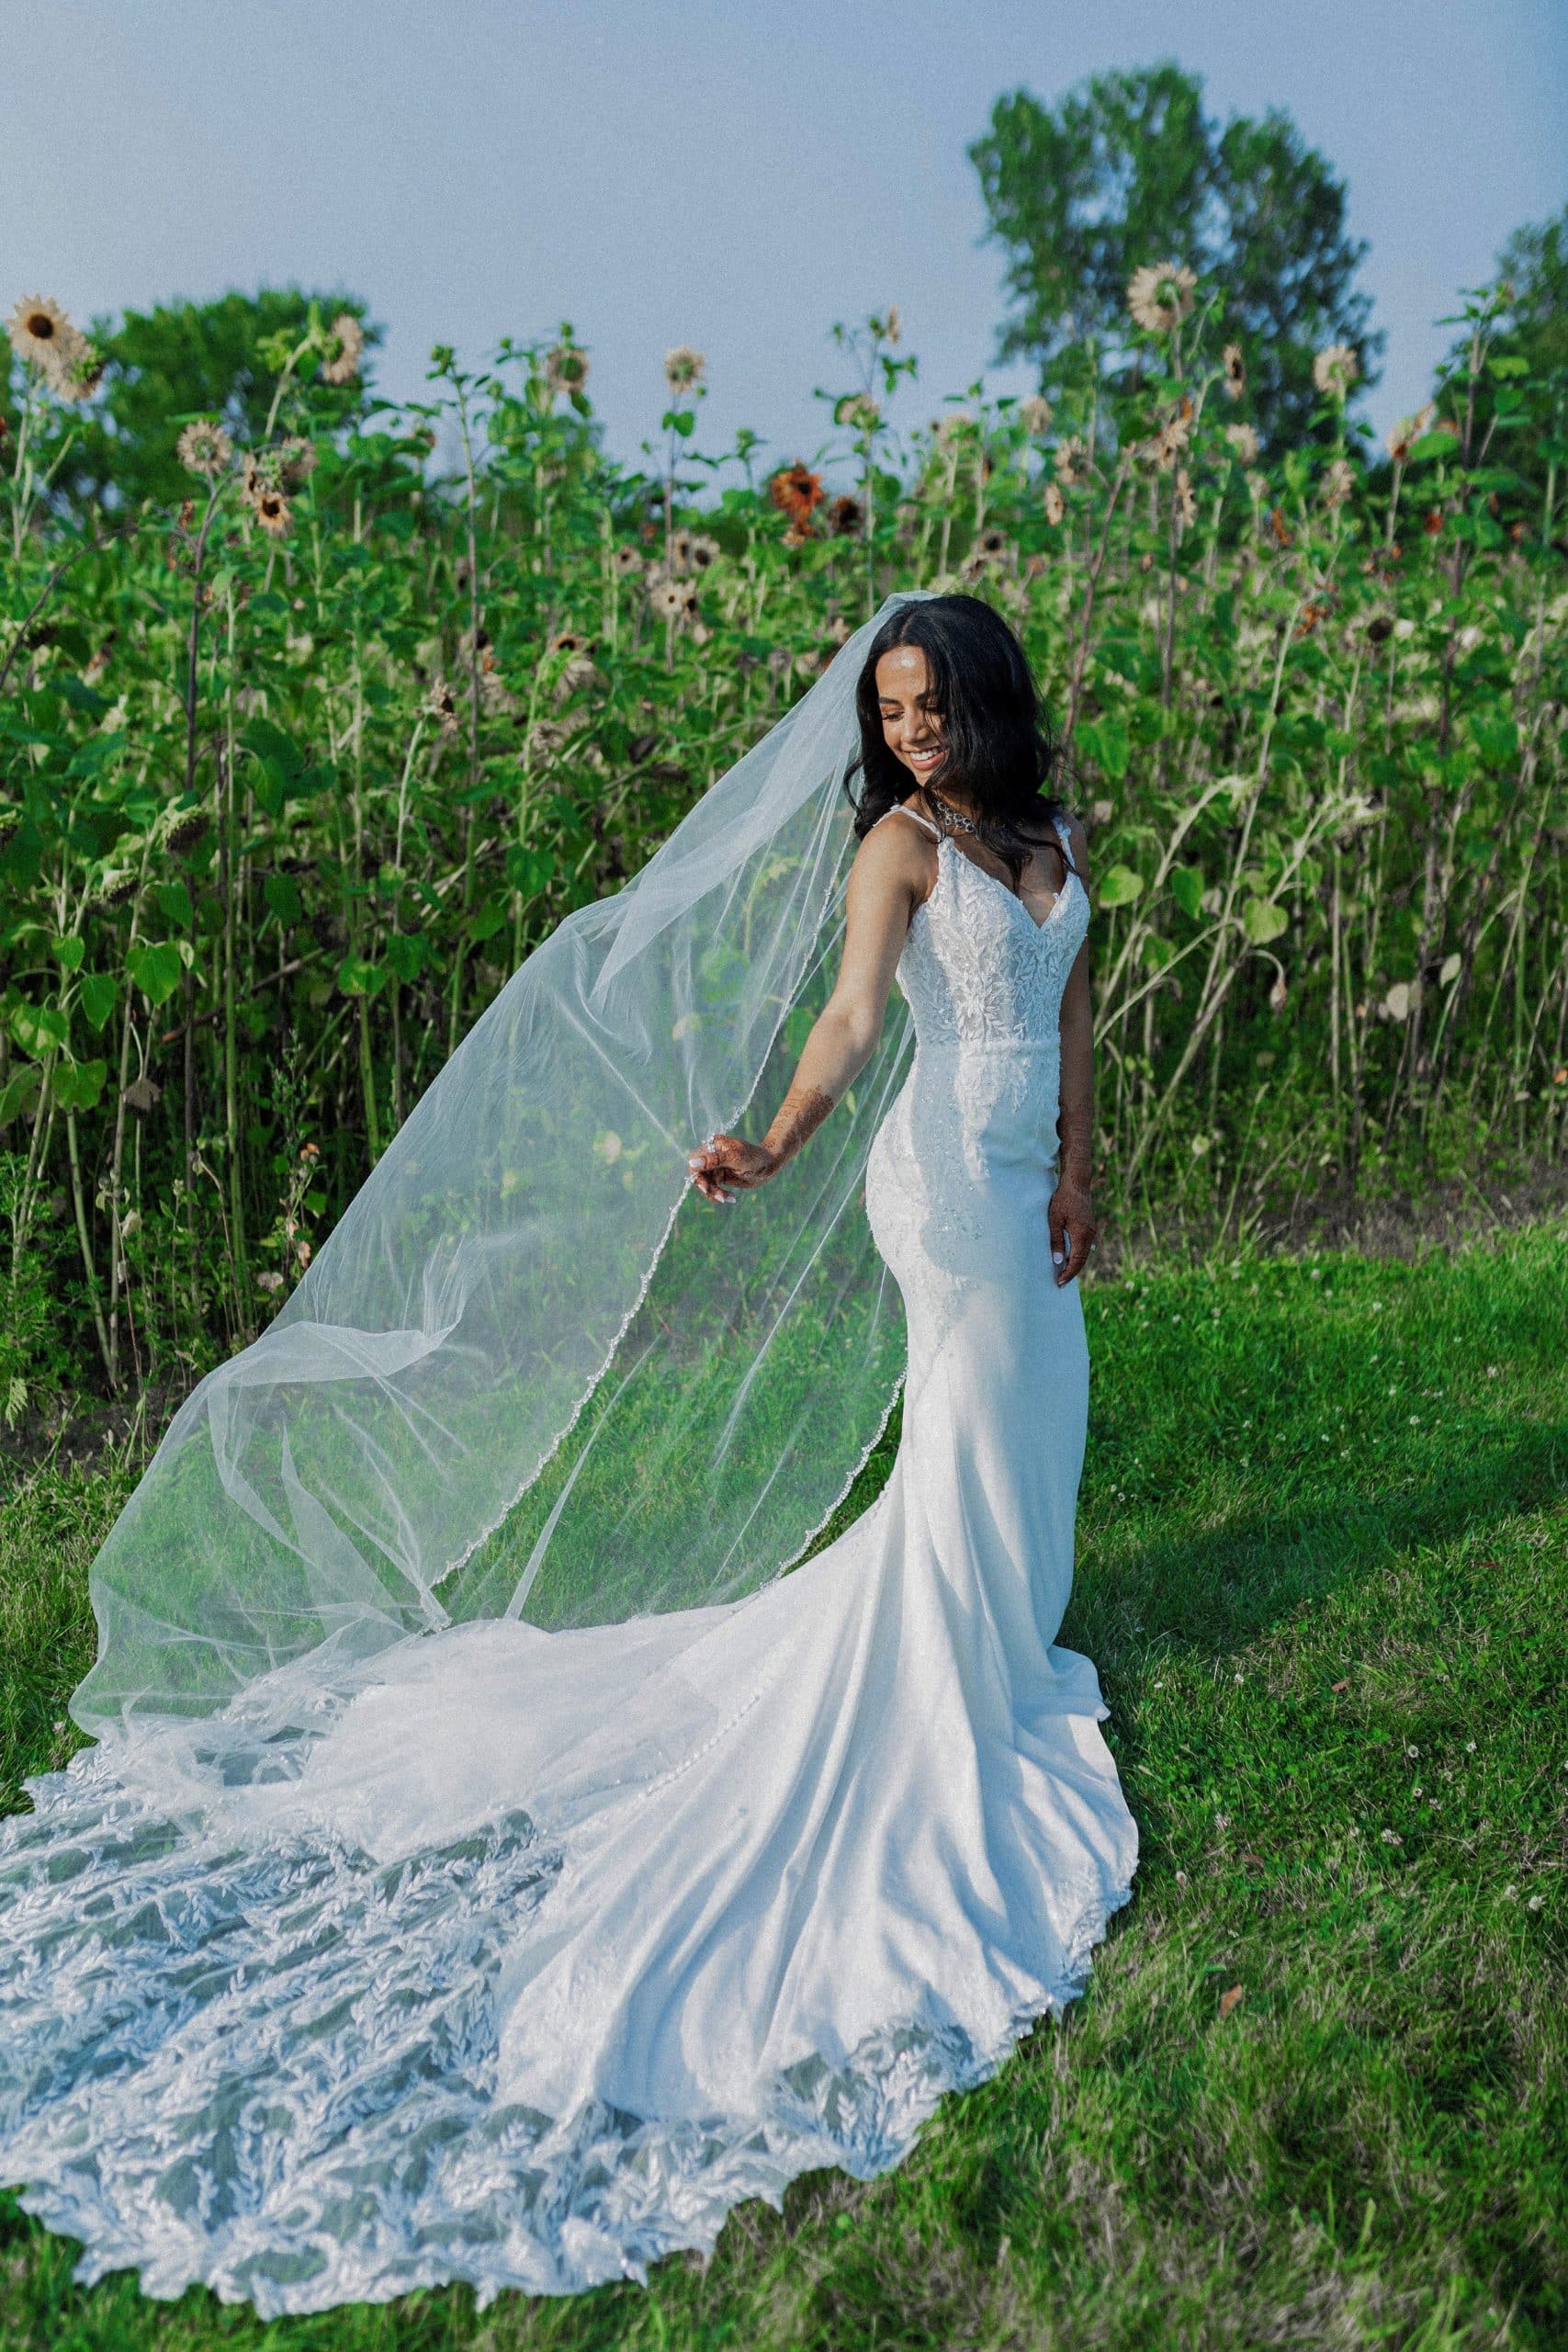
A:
1323	1570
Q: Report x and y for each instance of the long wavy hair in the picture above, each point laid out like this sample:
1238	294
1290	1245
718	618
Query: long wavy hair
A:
1000	748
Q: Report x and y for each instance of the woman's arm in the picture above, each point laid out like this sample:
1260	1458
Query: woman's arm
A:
1071	1214
893	871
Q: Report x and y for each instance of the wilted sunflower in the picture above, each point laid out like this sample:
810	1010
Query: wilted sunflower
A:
1243	439
273	511
1333	370
177	828
702	551
41	334
684	367
76	374
205	448
889	328
1034	413
441	704
297	461
797	491
626	561
1071	461
858	410
845	516
1338	483
343	368
1408	430
666	599
1171	440
566	369
1159	296
1056	505
1186	499
955	422
1236	371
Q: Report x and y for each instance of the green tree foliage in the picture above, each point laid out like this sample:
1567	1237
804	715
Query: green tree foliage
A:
185	358
1128	169
1515	403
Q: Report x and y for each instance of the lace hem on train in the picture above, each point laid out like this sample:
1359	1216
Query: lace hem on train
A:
302	2113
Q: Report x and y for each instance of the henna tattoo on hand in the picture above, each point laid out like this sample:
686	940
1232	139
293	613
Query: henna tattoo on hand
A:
800	1114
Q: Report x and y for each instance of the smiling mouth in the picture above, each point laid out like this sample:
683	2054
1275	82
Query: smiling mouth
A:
923	759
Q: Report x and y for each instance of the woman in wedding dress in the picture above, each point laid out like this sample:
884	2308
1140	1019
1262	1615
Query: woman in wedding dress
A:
521	1954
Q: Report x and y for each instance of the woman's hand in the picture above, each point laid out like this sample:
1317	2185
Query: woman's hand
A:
1073	1227
726	1165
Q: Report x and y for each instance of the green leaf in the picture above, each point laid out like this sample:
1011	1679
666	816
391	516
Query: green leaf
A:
19	1091
406	952
357	977
1433	445
282	895
1187	890
69	951
36	1027
1263	920
81	697
76	1086
1496	739
174	902
155	967
486	921
1120	887
1105	741
528	870
97	992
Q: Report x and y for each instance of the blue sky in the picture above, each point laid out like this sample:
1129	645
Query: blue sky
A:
734	174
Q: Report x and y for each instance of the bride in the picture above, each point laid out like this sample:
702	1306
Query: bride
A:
491	1867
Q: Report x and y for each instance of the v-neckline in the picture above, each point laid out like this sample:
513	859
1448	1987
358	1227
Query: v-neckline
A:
1049	917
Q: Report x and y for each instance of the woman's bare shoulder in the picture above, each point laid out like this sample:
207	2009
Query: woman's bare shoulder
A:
897	854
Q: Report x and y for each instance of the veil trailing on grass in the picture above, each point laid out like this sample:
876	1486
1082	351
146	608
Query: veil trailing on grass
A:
532	1374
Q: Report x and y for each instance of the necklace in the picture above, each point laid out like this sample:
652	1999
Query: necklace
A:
952	819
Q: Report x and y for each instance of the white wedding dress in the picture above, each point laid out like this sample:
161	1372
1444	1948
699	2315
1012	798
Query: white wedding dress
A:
560	1944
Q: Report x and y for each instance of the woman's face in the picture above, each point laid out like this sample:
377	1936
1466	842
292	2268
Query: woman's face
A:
911	726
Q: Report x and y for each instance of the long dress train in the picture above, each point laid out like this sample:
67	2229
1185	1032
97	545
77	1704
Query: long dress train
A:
558	1945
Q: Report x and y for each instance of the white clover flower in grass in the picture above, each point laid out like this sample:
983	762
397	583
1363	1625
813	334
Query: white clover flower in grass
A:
1333	369
1034	413
343	367
205	448
1159	296
683	366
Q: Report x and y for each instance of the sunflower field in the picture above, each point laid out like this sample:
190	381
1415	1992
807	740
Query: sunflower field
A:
298	764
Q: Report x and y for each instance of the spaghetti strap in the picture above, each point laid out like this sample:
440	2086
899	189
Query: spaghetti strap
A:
900	809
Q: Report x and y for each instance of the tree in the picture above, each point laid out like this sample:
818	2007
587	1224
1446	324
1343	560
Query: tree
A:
1516	405
185	358
1128	169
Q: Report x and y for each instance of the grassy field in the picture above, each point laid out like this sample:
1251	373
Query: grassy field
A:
1317	2093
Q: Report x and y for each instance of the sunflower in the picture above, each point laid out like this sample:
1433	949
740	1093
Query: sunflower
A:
272	511
1408	430
797	491
297	461
1243	439
1035	414
683	366
1236	371
625	562
566	369
858	410
1186	498
1159	296
1171	440
1072	461
704	550
1056	505
205	448
1338	483
1333	370
77	372
343	368
845	517
41	336
441	704
667	600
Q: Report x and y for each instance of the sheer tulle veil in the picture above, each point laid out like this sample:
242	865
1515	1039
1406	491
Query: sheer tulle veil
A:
531	1374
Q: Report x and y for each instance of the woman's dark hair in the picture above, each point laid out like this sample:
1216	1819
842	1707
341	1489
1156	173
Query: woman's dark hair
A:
1000	750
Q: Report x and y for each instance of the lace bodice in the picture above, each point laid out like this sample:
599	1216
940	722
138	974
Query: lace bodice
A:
977	970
